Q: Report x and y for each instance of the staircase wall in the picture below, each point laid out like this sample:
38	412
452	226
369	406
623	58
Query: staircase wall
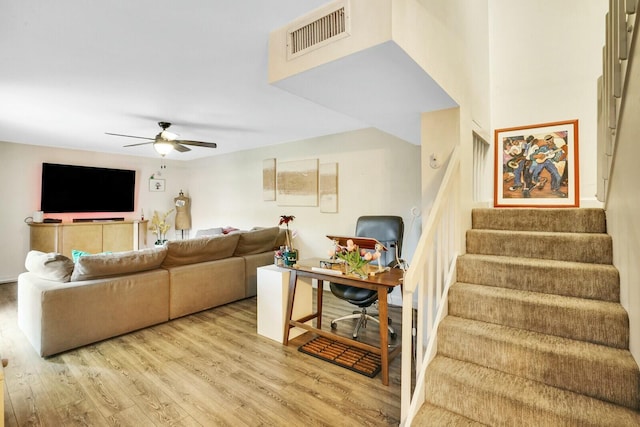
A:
531	84
623	200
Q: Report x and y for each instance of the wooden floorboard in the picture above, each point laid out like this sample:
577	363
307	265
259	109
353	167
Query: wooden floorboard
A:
207	369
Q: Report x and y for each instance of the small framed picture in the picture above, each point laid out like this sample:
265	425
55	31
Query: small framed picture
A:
537	166
156	184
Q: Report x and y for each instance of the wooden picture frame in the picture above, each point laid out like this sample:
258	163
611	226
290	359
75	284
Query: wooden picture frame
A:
537	165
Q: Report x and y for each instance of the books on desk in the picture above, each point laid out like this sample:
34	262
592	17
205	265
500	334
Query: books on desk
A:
327	271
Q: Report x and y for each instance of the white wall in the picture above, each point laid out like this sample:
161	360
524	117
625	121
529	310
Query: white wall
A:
546	56
450	41
20	182
378	174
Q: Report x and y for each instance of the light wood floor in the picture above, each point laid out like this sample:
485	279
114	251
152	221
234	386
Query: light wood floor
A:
207	369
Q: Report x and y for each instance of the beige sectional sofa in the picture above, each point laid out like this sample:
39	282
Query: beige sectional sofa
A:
62	305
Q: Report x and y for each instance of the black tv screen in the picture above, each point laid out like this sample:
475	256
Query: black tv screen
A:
70	188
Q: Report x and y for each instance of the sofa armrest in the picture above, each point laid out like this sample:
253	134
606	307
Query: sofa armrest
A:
60	316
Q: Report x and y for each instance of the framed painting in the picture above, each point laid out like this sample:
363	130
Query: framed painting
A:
328	187
297	183
537	166
156	184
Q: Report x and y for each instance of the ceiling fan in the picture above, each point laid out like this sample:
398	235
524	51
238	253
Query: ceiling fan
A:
166	141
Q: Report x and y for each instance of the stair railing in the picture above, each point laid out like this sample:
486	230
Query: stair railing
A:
621	22
426	286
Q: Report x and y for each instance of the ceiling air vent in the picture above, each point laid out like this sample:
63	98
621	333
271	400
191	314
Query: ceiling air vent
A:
320	28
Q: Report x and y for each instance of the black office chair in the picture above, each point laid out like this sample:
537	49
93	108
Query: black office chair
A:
389	231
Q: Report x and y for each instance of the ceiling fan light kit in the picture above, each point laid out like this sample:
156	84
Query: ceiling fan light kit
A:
163	147
166	141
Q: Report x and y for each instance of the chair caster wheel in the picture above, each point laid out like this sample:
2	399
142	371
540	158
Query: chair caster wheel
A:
334	325
394	335
389	321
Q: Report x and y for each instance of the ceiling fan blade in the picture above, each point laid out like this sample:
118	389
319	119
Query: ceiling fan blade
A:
128	136
197	143
180	148
140	143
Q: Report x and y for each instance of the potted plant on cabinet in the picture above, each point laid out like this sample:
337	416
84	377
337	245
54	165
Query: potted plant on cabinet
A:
288	253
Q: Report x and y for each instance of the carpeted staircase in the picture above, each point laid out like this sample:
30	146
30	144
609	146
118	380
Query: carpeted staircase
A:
535	334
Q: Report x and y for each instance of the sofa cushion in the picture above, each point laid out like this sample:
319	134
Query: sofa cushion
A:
257	241
49	266
118	263
200	249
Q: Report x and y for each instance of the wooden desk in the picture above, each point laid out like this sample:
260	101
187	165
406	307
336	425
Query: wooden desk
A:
380	282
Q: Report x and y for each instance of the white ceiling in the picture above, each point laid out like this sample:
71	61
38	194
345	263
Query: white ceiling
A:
381	86
75	69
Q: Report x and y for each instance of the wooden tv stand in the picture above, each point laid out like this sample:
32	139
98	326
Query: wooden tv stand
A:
92	237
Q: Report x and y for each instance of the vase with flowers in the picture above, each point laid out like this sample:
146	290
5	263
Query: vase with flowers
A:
288	253
355	259
159	226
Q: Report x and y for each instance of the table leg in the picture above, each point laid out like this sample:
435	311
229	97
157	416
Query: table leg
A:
384	333
293	278
319	293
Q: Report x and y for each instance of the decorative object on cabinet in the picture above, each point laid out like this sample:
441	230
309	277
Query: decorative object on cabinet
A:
288	253
159	226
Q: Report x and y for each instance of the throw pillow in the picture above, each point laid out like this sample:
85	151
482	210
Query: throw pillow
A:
209	232
75	254
49	266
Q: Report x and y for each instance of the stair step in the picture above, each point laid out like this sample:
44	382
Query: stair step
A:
598	371
577	279
583	220
577	247
598	322
496	398
430	415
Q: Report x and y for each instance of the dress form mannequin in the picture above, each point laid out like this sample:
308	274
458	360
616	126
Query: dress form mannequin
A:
183	215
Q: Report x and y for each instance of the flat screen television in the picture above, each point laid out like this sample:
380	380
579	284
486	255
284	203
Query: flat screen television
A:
71	188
